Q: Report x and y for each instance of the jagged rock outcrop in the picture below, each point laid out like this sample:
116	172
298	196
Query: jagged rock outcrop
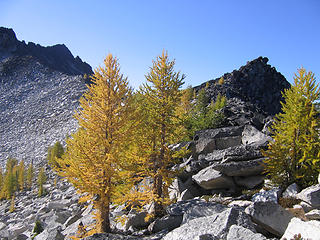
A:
253	93
57	57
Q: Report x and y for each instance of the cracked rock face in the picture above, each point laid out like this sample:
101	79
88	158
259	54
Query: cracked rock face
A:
36	108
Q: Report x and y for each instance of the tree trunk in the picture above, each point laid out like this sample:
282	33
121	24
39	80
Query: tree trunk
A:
103	224
157	187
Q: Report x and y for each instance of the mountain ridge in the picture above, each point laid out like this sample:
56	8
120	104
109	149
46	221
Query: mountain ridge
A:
57	57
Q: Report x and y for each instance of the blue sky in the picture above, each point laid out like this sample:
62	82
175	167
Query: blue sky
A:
206	37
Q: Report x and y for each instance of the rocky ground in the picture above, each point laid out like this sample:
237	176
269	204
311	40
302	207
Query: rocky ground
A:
220	194
36	109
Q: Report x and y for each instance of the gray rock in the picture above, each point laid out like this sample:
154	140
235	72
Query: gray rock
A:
2	225
251	135
179	208
306	206
71	229
236	153
136	220
168	222
308	230
186	195
203	210
64	203
219	133
50	234
270	216
291	191
267	196
183	190
176	188
249	182
240	203
313	214
17	229
311	195
210	178
241	233
243	168
62	216
215	226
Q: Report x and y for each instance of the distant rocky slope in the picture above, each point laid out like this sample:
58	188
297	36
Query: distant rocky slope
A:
57	57
37	101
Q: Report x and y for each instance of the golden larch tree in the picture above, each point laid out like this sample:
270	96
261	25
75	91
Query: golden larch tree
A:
95	156
294	155
159	124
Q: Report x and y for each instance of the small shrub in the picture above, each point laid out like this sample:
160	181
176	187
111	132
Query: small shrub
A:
37	229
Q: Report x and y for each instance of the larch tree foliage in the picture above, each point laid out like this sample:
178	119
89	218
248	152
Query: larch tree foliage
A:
41	180
21	175
30	173
95	156
55	151
158	102
294	155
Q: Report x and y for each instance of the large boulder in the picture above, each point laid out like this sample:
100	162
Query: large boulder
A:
136	220
180	190
209	178
203	210
167	222
311	195
215	226
179	208
249	182
267	196
244	168
232	154
60	204
241	233
206	141
270	216
251	135
307	230
50	234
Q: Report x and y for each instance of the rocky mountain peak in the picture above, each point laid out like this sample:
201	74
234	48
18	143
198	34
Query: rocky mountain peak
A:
255	83
57	57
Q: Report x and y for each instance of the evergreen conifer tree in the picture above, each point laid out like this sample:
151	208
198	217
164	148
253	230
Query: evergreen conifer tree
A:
160	98
55	151
10	179
95	156
294	155
30	173
21	175
41	180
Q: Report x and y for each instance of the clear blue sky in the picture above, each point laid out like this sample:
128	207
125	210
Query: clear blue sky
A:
206	37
